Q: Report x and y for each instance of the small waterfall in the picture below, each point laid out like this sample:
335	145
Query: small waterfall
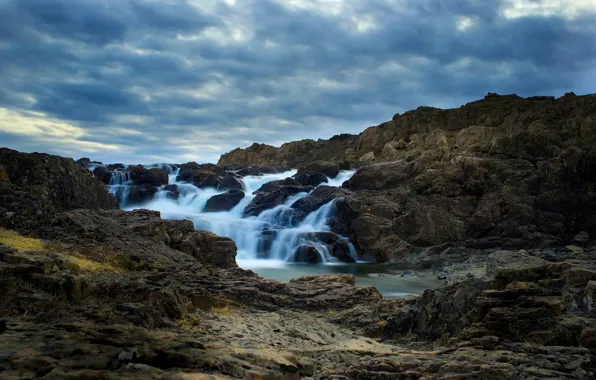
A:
275	234
119	185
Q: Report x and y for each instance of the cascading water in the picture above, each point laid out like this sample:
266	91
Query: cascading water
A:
274	234
119	185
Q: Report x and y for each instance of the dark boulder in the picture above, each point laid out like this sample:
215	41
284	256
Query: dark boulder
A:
264	201
274	169
136	194
329	169
116	166
230	182
172	190
319	197
143	176
273	185
311	179
224	202
337	246
202	176
306	254
102	174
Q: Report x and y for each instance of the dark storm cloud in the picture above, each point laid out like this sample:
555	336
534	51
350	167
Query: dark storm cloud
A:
141	81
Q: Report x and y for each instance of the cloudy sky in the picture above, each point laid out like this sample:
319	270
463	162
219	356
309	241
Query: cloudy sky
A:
141	81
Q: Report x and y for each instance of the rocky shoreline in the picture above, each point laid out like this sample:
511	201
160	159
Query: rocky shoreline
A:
496	197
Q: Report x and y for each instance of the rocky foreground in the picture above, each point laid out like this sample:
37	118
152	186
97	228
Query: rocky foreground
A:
496	196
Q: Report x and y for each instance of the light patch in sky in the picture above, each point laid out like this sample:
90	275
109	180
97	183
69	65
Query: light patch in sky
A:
569	9
465	23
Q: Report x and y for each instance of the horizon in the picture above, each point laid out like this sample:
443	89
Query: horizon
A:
156	81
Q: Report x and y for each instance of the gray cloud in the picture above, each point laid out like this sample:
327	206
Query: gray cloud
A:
146	81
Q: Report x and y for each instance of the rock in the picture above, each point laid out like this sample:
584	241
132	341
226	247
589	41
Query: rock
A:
319	197
210	249
265	201
581	239
229	182
56	180
83	162
329	169
116	166
137	194
311	179
173	192
368	157
306	254
150	177
202	176
336	245
224	202
102	174
273	185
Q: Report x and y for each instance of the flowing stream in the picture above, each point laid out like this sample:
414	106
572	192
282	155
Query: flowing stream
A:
267	243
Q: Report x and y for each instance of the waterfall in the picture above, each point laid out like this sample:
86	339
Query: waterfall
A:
276	234
119	185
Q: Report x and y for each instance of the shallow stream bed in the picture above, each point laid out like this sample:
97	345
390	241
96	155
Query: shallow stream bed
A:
390	280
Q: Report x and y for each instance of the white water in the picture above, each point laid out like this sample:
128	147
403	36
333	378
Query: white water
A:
249	233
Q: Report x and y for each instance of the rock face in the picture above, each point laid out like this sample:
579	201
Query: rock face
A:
224	202
151	177
500	172
294	154
211	249
54	180
202	176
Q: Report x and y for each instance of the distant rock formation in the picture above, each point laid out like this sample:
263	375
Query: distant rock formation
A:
503	171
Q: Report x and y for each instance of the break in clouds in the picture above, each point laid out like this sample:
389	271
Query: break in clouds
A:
152	81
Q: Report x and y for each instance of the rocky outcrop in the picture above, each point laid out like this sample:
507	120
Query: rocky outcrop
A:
210	249
54	180
265	201
294	154
224	202
500	172
319	197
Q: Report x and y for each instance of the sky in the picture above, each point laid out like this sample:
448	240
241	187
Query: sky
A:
146	81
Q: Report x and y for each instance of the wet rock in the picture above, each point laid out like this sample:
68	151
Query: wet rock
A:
230	182
311	179
137	193
265	201
274	185
150	177
319	197
224	202
202	176
306	254
173	192
336	246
